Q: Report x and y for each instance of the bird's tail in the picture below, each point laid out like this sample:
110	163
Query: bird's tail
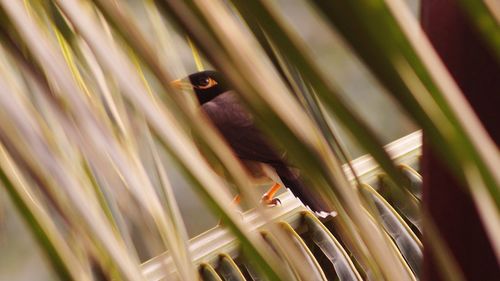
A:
294	182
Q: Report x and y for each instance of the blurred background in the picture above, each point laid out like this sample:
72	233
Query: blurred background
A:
20	257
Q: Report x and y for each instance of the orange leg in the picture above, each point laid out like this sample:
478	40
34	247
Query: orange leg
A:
236	199
268	197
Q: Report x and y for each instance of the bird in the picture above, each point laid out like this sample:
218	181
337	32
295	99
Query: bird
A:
235	123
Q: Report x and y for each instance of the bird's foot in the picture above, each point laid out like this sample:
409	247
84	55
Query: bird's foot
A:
268	198
270	202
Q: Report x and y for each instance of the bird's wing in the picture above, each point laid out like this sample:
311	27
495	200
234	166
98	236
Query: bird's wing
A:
236	125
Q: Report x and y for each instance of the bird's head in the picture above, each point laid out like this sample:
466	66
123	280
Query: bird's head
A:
205	84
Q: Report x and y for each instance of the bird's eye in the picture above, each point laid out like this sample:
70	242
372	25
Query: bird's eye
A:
205	83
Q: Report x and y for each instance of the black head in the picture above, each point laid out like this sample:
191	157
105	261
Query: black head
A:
206	84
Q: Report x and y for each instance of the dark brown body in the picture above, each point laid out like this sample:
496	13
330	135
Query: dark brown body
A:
236	125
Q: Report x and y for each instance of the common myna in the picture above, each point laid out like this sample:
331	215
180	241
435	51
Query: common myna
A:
235	123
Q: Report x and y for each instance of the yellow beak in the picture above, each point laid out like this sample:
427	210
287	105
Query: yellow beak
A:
181	84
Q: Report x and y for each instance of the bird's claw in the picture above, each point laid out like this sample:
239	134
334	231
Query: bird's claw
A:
270	202
274	202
